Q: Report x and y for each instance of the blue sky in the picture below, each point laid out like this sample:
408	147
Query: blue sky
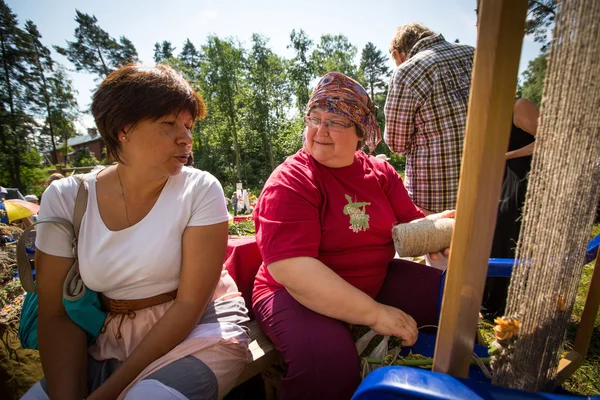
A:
150	21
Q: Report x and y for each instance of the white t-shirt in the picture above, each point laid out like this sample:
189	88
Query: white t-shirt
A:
143	260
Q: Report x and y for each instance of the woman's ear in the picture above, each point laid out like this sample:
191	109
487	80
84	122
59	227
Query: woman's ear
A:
122	135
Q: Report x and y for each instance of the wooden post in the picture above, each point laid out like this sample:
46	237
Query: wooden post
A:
590	311
574	359
493	87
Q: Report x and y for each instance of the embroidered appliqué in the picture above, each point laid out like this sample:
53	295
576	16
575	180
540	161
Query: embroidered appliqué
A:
359	219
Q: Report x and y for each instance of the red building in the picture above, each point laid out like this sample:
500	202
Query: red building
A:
92	140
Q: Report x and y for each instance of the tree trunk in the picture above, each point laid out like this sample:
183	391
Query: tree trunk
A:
13	167
53	156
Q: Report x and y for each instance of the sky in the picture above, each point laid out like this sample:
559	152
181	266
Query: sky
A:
149	21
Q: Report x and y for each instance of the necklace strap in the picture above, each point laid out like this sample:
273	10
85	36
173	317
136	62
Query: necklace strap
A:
123	196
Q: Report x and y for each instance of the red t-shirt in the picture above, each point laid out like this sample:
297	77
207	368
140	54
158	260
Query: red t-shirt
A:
341	216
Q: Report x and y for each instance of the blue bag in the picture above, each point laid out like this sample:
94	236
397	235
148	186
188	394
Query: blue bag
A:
81	304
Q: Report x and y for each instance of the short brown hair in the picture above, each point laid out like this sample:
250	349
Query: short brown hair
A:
407	36
54	177
133	93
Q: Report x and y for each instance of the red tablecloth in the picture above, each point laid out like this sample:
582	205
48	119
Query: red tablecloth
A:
242	261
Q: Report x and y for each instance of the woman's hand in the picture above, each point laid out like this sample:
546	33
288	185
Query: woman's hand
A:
394	322
446	252
448	214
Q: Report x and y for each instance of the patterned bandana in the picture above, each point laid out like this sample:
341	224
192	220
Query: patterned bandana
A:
336	93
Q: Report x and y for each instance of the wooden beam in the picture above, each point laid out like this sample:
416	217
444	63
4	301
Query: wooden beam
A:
493	87
590	311
574	359
567	366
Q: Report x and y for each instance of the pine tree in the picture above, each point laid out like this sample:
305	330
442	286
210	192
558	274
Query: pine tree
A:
14	122
374	69
163	51
190	55
541	14
94	50
125	53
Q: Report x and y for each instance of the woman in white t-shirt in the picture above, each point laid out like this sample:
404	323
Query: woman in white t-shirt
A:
152	242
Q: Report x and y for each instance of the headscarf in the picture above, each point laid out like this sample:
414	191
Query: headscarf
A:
336	93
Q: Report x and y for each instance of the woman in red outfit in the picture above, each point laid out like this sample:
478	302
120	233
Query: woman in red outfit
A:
324	228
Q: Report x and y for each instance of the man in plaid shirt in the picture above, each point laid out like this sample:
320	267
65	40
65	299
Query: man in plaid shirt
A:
426	111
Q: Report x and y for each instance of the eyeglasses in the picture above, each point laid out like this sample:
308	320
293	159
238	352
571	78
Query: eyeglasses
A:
333	126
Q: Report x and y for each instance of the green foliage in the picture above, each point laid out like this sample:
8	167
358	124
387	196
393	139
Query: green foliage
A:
533	79
84	158
335	53
300	68
242	228
31	172
15	123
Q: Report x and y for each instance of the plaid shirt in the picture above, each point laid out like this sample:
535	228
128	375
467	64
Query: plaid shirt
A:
425	117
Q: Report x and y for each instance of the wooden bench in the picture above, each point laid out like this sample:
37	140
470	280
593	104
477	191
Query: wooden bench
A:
264	360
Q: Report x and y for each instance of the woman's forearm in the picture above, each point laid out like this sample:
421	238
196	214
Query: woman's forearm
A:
63	351
320	289
522	152
170	330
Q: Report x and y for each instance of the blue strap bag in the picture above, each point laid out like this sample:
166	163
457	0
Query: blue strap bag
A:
81	304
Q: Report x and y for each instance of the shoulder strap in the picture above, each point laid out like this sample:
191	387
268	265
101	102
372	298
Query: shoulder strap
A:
23	263
80	204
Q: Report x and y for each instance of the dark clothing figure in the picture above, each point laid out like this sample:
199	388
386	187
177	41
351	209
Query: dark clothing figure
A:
508	223
234	203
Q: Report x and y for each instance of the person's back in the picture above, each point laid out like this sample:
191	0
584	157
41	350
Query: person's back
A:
426	113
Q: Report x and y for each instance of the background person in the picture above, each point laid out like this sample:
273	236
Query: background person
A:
54	177
234	203
512	199
426	113
32	198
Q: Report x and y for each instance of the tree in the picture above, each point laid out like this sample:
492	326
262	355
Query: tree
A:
223	70
334	53
373	69
301	69
84	158
540	17
14	122
163	51
190	55
125	53
94	50
50	94
268	97
533	78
